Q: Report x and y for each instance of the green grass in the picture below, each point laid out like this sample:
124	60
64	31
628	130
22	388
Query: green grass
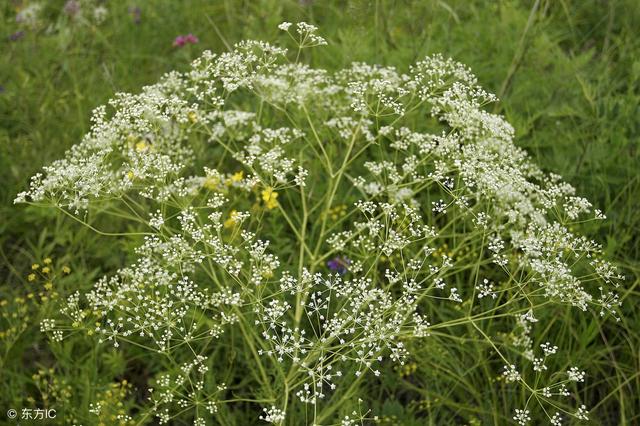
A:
567	73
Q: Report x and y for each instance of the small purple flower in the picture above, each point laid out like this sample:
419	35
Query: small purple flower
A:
136	14
16	36
339	264
179	41
190	38
72	8
183	40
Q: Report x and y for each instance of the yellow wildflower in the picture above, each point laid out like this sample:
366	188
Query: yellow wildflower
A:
233	219
269	196
35	266
47	261
48	285
407	369
66	270
236	177
31	277
211	182
130	175
192	116
142	146
45	270
338	211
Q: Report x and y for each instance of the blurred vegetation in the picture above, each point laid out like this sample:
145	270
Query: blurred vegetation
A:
567	73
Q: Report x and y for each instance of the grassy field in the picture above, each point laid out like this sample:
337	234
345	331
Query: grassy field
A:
567	73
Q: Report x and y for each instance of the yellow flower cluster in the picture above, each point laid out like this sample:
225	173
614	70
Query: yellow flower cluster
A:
337	212
443	251
48	275
233	219
53	390
110	406
17	316
270	198
142	146
407	369
211	183
217	183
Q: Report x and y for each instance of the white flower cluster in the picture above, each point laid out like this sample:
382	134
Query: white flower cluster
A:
273	415
350	321
549	396
321	216
307	36
187	388
74	12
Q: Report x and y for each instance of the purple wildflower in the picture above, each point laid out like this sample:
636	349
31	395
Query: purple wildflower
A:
136	14
182	40
16	36
190	38
339	264
72	8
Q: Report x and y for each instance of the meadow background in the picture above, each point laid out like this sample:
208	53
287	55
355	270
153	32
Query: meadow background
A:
568	76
